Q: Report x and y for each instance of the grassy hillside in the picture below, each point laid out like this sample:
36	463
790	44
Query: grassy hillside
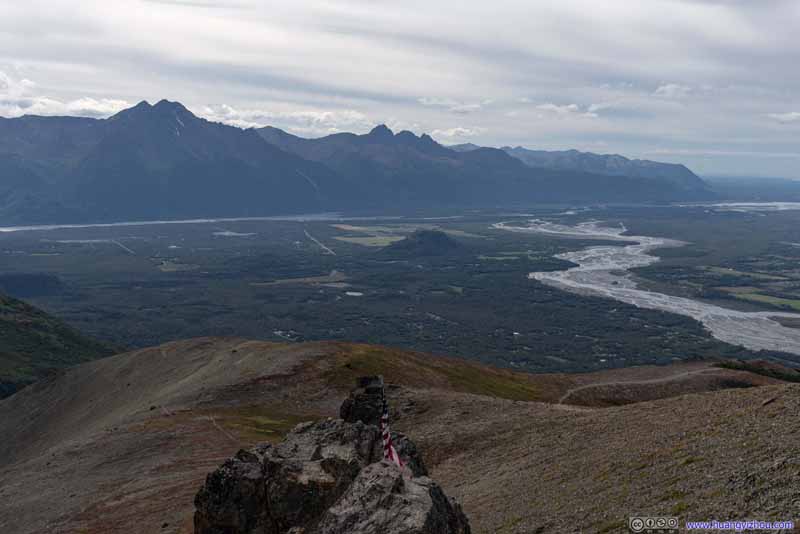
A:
33	344
130	438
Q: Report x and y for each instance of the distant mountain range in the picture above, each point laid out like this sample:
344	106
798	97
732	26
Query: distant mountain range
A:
605	164
161	161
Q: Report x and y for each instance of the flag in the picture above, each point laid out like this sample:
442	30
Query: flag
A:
388	449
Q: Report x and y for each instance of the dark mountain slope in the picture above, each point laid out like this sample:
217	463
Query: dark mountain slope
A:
34	344
464	147
20	184
162	161
398	169
610	165
47	146
604	164
36	155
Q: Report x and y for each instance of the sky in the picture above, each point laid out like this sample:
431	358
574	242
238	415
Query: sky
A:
714	84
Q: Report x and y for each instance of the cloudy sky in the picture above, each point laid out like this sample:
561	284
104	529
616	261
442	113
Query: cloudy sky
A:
712	83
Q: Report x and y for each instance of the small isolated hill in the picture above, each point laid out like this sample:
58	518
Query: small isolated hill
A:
129	439
33	344
424	243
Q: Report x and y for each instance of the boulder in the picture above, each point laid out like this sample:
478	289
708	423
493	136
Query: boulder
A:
313	467
382	500
233	498
365	402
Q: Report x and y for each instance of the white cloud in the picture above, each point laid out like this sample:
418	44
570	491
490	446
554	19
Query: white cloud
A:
463	109
559	110
785	118
453	106
457	133
568	110
594	108
301	122
437	102
92	107
673	90
17	98
12	88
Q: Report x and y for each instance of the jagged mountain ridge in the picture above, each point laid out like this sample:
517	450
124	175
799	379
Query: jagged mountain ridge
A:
162	161
467	174
406	170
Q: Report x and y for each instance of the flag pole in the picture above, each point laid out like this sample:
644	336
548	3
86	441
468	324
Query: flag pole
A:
389	452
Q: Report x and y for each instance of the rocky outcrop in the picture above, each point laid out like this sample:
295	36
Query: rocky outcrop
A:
326	477
365	402
382	500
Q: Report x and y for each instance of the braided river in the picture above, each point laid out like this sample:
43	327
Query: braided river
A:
604	271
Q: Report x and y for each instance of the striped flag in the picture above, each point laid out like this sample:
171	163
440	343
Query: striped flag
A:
388	449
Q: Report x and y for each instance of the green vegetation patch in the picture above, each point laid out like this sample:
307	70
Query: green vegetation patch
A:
498	258
419	371
725	271
382	236
371	241
167	266
260	423
34	344
759	368
332	278
738	289
793	304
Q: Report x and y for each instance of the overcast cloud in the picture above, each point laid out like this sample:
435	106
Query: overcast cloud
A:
712	83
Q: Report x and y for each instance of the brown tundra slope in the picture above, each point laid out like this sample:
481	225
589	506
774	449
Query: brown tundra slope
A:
123	444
